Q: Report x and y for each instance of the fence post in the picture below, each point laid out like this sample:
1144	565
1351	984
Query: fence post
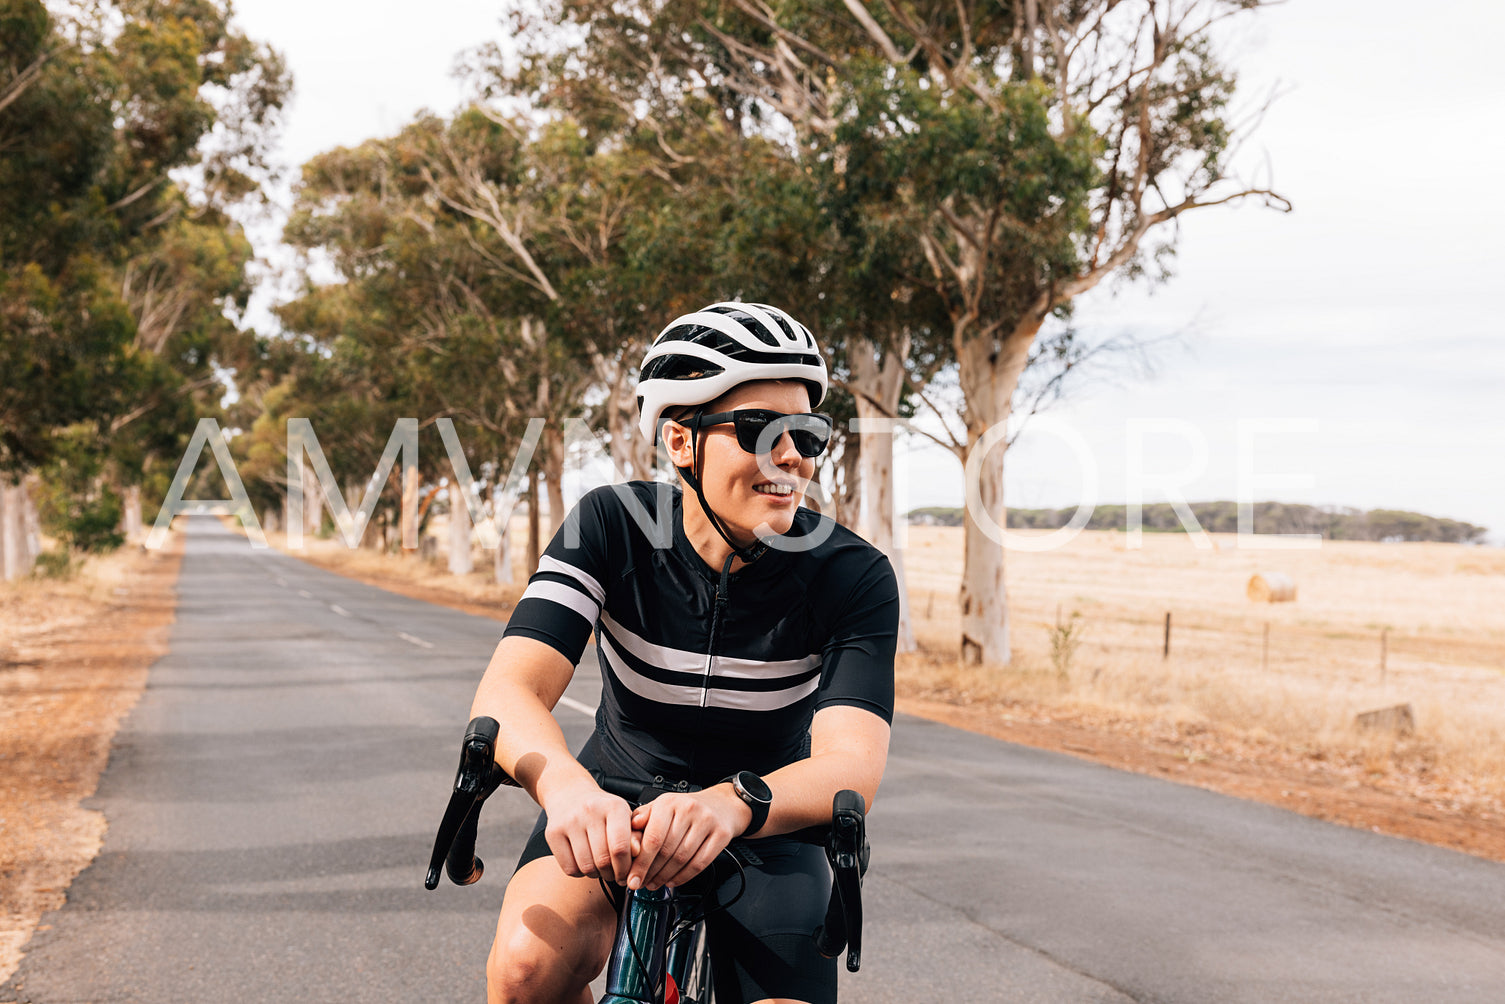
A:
1167	653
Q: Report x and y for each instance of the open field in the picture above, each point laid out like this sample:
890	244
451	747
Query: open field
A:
1443	605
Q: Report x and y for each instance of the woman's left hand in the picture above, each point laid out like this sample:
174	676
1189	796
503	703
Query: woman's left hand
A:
677	836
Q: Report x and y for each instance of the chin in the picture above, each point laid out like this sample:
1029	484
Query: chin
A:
780	522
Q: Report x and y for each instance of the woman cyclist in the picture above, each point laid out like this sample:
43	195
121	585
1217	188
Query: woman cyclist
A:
748	652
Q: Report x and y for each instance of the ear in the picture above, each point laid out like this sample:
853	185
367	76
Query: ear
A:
678	441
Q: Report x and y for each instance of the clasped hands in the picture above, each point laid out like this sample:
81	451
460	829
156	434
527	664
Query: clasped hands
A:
665	842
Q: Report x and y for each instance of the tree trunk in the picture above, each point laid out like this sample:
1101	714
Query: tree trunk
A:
877	382
353	492
631	454
553	475
10	540
31	522
313	501
988	376
459	532
553	434
18	538
409	512
503	505
534	549
501	561
130	519
846	500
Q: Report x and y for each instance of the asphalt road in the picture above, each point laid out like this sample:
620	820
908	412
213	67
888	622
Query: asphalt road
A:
272	802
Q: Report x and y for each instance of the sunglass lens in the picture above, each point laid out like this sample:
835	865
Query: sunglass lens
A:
757	432
808	443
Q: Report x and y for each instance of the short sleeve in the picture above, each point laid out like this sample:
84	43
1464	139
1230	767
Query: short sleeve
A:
564	597
857	663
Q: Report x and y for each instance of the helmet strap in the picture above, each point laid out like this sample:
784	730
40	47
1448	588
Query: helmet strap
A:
692	475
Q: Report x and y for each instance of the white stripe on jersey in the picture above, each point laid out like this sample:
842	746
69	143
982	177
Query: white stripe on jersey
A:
668	693
683	661
761	700
664	693
565	596
548	564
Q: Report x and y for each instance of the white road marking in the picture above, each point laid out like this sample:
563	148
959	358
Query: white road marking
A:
339	610
574	705
416	641
305	594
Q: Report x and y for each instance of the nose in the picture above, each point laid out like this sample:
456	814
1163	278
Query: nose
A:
783	453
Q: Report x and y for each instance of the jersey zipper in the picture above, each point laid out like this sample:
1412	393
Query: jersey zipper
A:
718	603
710	656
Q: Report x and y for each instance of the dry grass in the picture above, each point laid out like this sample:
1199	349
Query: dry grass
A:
74	655
1444	606
39	604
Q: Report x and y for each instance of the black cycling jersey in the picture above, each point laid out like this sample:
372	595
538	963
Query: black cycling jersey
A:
798	631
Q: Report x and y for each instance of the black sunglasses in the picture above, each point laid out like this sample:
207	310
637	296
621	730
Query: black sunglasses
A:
758	430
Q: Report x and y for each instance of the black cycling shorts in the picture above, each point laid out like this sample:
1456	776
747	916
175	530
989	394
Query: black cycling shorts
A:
762	946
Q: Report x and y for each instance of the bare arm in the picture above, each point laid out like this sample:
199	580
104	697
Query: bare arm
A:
848	749
589	831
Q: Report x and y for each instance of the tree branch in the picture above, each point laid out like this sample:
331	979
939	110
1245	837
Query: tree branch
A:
875	31
22	81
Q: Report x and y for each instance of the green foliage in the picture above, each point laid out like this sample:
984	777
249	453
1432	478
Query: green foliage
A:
917	159
115	278
57	563
75	504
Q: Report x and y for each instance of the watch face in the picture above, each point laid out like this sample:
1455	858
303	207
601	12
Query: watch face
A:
755	786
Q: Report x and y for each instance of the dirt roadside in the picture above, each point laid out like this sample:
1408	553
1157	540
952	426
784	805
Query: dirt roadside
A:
74	657
1337	791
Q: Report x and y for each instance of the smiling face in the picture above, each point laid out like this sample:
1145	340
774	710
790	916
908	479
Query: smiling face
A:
744	495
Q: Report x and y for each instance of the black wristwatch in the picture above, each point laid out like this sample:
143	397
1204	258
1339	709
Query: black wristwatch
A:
753	790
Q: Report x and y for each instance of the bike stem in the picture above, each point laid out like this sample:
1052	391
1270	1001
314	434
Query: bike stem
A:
642	935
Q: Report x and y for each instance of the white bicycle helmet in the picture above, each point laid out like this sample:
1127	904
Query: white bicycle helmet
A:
701	356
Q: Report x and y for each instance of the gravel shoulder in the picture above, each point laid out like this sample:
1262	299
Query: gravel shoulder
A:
74	657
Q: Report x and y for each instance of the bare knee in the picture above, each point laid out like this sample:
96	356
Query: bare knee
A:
552	938
528	966
522	974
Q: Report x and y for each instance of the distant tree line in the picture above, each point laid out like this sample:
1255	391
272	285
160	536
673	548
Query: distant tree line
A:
1333	523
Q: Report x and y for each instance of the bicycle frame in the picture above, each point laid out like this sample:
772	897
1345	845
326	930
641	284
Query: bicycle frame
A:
674	951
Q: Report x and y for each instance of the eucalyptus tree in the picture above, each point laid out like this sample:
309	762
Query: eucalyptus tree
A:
420	326
1032	148
126	130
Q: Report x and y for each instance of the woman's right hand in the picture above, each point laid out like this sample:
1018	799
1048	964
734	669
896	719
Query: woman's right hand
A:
589	831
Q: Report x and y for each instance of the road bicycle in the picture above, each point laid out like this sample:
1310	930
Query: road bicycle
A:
660	954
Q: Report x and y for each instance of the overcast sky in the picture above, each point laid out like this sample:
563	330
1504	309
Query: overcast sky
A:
1356	339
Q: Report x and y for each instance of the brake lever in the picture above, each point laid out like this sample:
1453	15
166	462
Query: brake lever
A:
476	778
847	852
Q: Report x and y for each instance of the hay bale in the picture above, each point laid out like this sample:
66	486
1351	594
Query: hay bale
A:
1272	587
1397	719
